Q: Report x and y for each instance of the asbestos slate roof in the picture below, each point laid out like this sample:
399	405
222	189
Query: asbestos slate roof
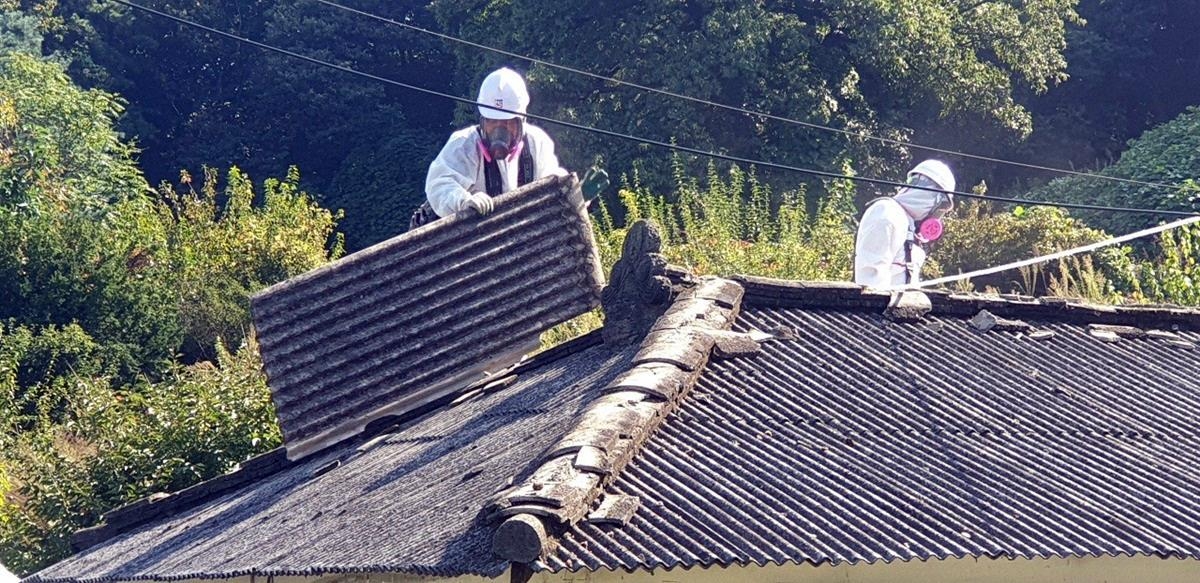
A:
424	313
846	437
407	501
868	440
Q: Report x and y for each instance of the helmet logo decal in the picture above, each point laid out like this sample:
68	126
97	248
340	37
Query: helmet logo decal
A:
499	102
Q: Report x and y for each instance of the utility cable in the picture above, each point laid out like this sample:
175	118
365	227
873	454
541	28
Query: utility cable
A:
647	141
759	114
1053	256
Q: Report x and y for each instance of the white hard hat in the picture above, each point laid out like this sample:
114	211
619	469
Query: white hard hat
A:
503	88
937	171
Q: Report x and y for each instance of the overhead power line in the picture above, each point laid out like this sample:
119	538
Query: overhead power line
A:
647	141
759	114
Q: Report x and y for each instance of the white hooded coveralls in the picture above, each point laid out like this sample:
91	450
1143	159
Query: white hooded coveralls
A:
879	246
458	169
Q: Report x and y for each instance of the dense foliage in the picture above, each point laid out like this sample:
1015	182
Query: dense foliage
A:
201	100
117	303
1168	154
900	69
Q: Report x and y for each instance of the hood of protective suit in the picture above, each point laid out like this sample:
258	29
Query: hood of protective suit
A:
920	204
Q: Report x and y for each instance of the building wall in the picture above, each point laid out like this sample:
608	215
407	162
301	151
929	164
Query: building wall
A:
363	578
1073	570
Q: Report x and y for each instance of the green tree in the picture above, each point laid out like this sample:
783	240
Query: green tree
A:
73	217
102	282
19	30
1133	66
201	100
59	151
1167	154
900	69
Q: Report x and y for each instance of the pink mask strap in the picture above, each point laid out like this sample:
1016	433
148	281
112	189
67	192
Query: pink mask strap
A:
516	151
487	156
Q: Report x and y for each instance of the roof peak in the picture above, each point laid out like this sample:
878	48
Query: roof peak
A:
767	291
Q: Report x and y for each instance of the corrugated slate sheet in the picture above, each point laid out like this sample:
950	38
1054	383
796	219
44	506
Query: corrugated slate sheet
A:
424	313
407	502
865	440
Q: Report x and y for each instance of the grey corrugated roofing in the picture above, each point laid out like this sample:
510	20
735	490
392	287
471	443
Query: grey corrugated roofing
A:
424	313
869	440
837	446
410	502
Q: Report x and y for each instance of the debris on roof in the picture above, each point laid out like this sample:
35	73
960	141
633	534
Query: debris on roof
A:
614	509
1122	331
908	306
1104	335
985	321
425	313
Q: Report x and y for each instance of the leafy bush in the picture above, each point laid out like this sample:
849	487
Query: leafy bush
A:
977	236
221	247
1174	277
731	226
1168	154
110	445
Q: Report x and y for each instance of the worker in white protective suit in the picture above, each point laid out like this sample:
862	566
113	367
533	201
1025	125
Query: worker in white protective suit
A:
890	247
499	154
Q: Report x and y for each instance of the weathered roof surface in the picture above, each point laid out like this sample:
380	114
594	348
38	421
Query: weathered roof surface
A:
408	501
611	432
820	431
424	313
867	439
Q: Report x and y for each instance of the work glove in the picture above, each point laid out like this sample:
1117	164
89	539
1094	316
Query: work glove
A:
481	202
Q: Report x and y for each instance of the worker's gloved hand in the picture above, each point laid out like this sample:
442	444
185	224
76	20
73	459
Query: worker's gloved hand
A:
481	202
595	180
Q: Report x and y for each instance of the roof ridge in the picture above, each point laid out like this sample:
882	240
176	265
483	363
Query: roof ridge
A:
561	491
846	295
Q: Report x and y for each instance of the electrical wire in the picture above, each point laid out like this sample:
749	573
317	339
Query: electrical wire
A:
759	114
647	141
1053	256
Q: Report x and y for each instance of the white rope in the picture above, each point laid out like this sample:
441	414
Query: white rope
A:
1053	256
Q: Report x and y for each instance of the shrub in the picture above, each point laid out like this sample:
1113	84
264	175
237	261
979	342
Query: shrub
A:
1167	154
221	247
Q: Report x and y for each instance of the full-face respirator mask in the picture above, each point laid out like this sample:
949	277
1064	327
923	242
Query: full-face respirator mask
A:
498	143
930	228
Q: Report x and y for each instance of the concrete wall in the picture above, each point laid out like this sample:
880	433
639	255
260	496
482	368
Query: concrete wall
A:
1074	570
